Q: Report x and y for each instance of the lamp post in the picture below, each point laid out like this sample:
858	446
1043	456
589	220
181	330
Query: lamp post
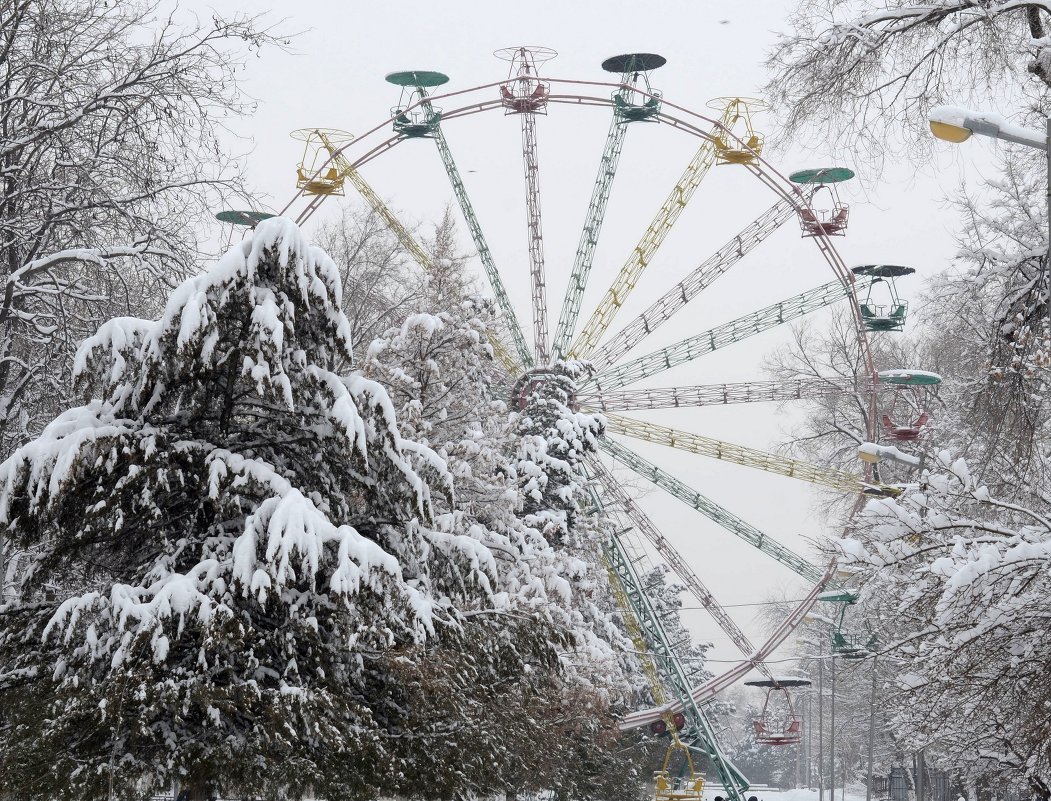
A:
952	124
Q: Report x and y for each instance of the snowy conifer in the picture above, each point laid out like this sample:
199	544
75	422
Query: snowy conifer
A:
231	543
553	442
530	688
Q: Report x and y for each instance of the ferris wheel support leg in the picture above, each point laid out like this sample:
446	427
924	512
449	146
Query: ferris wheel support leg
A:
480	244
700	344
693	284
711	510
645	526
647	246
585	256
699	729
537	283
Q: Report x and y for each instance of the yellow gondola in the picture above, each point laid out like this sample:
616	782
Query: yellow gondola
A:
316	173
745	144
678	788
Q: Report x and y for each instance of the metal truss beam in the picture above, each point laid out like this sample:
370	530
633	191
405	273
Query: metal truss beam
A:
711	510
408	241
585	256
699	732
647	247
689	287
537	282
713	687
680	567
405	239
480	243
743	327
738	454
626	400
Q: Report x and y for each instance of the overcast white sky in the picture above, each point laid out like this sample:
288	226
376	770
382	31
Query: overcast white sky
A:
335	79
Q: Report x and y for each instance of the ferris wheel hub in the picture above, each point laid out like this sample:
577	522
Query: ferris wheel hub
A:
533	383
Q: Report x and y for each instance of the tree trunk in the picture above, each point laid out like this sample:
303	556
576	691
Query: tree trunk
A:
1040	788
197	790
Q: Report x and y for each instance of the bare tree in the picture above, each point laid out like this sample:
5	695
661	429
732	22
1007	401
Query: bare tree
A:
836	422
958	580
986	333
865	73
381	283
110	158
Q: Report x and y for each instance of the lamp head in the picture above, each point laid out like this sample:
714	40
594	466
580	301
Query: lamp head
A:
951	124
950	133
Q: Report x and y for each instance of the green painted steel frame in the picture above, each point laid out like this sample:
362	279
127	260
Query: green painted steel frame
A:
712	510
480	244
578	278
698	734
743	327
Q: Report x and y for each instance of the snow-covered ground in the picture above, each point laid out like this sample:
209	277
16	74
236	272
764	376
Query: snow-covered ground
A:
763	793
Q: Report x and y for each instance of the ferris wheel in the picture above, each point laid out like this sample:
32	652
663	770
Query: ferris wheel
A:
535	352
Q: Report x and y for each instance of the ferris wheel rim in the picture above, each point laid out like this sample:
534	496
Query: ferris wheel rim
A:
687	123
760	169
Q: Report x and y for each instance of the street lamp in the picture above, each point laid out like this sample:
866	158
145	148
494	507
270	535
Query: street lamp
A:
874	454
956	125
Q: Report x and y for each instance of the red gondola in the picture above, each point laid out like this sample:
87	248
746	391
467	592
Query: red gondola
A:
778	723
827	214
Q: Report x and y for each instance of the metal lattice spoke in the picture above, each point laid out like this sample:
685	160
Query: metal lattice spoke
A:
502	355
688	288
536	237
405	238
711	510
510	319
743	327
647	247
642	523
738	454
626	400
638	637
589	235
713	687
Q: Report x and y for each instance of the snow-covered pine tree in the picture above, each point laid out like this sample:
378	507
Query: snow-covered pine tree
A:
553	441
230	547
524	701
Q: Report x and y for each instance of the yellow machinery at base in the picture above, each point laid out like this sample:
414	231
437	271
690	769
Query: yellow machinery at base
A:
677	788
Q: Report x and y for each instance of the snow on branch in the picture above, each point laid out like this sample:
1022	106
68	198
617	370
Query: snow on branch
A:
231	391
